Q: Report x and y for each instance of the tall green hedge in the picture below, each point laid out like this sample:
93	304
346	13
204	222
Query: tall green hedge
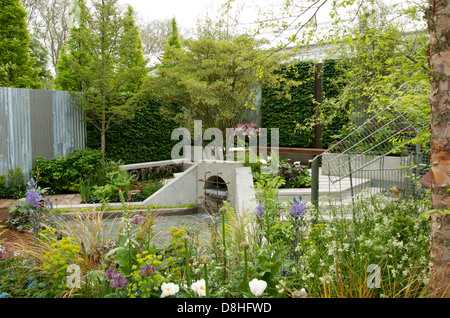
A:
330	89
146	137
285	113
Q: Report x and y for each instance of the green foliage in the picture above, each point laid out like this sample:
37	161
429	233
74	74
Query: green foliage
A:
62	173
104	61
64	253
115	181
294	175
13	185
333	120
286	113
146	137
215	81
174	38
383	67
16	64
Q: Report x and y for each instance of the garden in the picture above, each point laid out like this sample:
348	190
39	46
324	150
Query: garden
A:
376	246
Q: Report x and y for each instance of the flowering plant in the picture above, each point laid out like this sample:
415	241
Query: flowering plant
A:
199	287
33	210
169	289
249	129
257	287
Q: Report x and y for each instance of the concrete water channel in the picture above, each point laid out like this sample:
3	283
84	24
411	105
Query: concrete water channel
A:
107	225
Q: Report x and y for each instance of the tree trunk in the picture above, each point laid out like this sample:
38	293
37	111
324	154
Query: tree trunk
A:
439	62
103	142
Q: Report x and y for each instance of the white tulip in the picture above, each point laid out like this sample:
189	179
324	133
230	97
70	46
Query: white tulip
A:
199	287
169	289
257	287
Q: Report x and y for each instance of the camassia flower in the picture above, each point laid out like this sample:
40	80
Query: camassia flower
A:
257	287
260	210
169	289
33	196
199	287
298	208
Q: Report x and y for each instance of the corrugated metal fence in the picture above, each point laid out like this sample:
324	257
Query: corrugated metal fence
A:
37	123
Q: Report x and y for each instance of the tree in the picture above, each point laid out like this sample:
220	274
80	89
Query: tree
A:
16	63
384	70
214	81
154	35
174	38
438	16
50	21
40	54
104	60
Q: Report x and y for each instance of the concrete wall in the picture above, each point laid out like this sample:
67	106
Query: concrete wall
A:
182	190
245	194
225	170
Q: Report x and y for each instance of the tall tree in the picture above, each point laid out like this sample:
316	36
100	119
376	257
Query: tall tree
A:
16	64
174	38
50	21
105	61
214	81
438	16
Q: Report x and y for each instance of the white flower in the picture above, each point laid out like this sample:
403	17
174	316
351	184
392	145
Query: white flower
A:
199	287
169	289
300	293
257	287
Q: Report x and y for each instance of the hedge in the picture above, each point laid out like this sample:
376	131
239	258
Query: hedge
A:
285	113
331	89
144	138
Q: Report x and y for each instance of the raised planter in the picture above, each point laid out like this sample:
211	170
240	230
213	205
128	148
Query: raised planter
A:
364	166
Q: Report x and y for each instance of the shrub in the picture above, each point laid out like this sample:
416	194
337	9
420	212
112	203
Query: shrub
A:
13	185
146	137
62	173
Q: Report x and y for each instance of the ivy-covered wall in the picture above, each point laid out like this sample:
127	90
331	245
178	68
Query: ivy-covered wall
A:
330	89
284	113
146	137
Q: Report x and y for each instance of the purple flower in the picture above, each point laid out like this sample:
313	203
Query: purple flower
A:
33	197
136	220
147	270
118	282
260	210
110	274
115	280
298	208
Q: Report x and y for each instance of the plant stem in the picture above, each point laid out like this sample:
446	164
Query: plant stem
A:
224	249
206	280
245	270
188	270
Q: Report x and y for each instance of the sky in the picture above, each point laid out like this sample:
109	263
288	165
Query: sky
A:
186	12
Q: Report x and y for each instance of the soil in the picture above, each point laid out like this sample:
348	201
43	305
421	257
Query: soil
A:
11	236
